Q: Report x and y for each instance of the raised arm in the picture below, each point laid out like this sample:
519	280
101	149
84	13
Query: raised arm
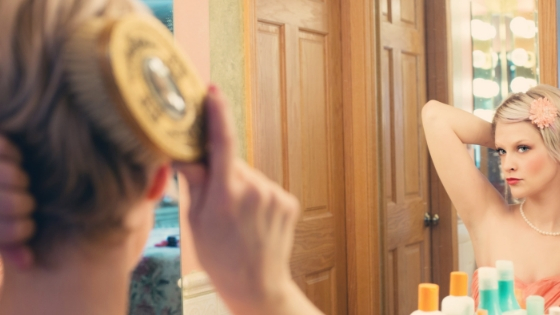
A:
447	130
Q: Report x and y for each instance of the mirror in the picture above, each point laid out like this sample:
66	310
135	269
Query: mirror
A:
504	50
154	287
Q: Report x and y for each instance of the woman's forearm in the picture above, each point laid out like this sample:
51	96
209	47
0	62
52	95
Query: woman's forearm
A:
469	128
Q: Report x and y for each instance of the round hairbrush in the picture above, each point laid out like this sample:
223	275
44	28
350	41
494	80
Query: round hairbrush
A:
131	70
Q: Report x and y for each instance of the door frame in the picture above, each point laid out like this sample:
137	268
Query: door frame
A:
548	33
362	100
439	72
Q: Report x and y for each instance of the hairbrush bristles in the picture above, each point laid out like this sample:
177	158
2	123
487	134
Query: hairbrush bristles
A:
129	72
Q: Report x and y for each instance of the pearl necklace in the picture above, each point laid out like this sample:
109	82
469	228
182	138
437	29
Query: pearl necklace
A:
534	227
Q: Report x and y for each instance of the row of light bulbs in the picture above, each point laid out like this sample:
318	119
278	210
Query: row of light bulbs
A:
519	57
519	26
485	88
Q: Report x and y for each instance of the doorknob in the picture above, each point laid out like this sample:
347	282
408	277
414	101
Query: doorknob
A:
431	221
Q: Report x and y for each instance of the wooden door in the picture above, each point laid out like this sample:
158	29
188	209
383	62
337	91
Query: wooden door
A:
296	133
404	154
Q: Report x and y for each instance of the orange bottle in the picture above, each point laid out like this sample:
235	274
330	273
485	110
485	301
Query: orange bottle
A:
428	300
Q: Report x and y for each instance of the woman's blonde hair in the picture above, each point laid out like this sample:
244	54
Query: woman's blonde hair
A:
516	109
82	180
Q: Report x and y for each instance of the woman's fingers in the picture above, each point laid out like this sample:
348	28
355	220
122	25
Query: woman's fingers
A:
15	204
12	176
15	231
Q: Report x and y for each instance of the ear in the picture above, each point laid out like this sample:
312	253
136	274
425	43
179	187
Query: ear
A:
158	183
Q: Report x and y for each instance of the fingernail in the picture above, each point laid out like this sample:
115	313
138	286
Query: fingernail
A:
212	88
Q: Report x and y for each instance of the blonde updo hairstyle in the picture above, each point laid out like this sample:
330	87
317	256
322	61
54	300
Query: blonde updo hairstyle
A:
516	109
83	179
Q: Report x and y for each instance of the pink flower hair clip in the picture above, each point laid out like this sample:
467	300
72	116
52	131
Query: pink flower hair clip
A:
543	112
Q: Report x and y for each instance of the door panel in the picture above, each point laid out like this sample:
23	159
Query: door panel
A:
267	139
407	241
408	12
297	133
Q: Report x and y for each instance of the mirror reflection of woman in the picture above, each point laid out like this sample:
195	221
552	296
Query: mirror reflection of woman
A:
526	134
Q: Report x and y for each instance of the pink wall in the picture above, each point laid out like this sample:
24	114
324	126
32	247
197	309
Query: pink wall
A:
192	32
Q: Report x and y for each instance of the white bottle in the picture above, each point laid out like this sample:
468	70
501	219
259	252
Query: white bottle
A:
428	300
458	302
535	305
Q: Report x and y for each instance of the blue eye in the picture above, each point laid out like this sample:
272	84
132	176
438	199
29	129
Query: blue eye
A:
522	148
501	151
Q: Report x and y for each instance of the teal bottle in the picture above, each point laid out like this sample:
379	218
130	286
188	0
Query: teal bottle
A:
488	290
535	305
506	286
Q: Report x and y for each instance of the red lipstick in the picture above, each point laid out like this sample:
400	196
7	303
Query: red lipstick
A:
512	180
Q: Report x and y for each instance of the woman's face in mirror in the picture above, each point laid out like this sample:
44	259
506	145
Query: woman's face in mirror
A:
527	166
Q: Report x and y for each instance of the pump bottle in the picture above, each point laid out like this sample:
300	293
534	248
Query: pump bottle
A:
428	300
506	286
488	290
458	302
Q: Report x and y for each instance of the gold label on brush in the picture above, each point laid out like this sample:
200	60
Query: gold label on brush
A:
154	85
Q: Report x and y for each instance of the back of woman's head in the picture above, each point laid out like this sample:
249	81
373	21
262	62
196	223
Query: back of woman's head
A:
517	108
82	180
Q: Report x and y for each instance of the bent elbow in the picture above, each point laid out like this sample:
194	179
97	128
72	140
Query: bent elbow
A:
429	111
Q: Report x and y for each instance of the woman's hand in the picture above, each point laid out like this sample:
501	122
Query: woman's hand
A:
16	206
243	226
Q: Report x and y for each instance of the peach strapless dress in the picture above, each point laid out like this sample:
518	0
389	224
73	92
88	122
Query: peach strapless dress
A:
548	288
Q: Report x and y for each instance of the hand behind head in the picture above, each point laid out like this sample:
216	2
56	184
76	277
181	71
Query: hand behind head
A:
16	205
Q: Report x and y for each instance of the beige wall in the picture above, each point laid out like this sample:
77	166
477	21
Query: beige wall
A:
227	59
211	32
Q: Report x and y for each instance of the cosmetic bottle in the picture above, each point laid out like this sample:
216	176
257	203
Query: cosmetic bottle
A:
428	300
555	310
458	302
535	305
488	290
506	286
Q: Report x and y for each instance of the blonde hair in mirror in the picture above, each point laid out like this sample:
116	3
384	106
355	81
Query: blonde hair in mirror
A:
516	108
82	178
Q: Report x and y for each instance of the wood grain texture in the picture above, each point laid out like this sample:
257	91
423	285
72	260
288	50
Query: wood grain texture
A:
362	150
440	87
548	37
250	26
296	133
266	136
311	15
406	241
